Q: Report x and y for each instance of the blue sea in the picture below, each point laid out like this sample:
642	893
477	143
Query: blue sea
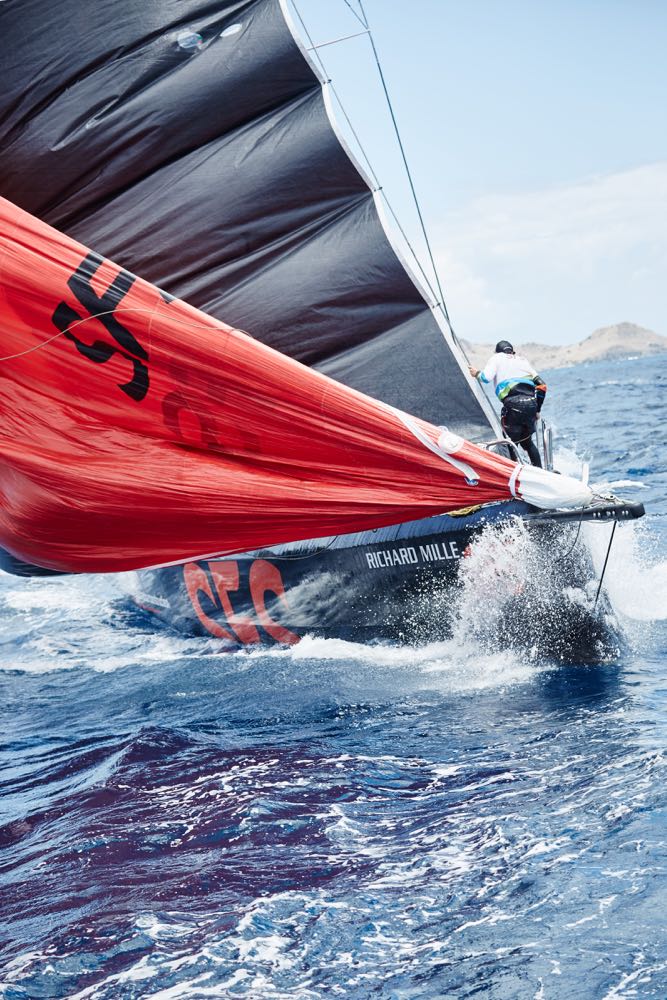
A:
340	820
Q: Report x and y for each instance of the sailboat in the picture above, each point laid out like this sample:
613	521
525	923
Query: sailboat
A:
273	422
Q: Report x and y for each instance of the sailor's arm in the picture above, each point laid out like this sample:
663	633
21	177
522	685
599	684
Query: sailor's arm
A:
540	391
484	374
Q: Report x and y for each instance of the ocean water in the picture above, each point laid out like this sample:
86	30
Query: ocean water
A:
342	820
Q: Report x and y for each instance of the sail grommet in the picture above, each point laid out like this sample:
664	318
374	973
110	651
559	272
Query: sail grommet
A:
189	40
450	442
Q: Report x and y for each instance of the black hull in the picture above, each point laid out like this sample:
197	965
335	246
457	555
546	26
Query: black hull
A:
399	584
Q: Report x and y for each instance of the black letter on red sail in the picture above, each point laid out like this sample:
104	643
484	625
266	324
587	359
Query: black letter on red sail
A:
102	308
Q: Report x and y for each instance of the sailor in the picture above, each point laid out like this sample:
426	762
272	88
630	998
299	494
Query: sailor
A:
521	391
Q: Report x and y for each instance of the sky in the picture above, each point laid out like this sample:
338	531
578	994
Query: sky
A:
536	133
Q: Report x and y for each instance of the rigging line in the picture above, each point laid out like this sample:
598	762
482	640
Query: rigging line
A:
374	178
409	175
308	35
606	558
37	347
561	559
427	281
356	13
333	41
73	326
313	48
369	165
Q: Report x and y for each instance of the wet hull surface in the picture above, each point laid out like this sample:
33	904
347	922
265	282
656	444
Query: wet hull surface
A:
403	584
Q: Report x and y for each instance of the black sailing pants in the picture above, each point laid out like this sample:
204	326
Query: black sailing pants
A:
518	418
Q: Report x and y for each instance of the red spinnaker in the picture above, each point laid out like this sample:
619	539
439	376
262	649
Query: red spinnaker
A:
137	431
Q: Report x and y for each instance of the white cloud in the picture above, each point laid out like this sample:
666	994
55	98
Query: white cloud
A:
554	264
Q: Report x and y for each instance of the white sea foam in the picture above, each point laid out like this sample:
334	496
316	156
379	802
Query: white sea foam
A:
620	484
452	665
569	461
76	621
634	580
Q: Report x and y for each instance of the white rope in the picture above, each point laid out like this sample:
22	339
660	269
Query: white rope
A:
86	319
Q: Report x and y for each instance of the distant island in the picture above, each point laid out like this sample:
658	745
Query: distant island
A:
624	340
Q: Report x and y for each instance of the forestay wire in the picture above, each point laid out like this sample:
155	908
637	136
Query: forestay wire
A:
439	298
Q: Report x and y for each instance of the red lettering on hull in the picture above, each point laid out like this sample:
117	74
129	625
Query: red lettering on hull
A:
264	578
197	582
226	577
